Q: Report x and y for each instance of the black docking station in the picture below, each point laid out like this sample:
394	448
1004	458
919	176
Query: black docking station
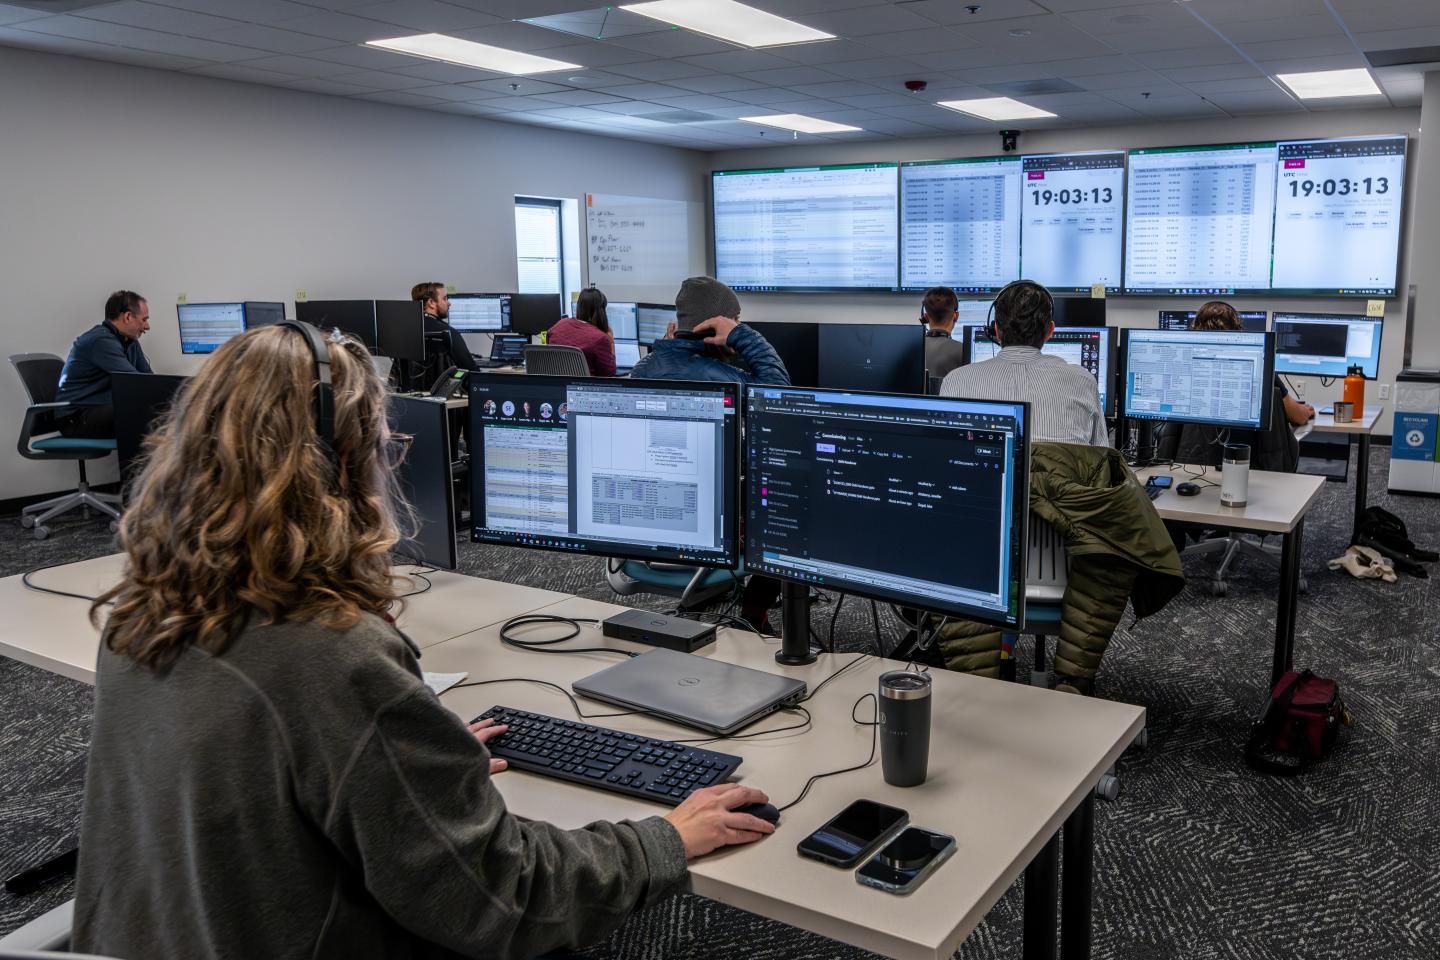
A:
658	630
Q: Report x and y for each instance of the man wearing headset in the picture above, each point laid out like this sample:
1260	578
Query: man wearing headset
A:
1064	399
939	310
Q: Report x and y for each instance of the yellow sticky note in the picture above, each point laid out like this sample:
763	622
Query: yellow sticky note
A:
182	298
1097	291
300	296
449	288
1374	308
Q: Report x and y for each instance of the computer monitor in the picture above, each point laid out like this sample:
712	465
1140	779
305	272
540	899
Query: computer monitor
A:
509	348
798	345
480	312
1251	320
627	354
879	357
652	320
1092	348
939	486
400	329
1078	312
534	313
1327	344
623	320
205	326
424	478
139	400
634	469
1223	378
355	317
263	313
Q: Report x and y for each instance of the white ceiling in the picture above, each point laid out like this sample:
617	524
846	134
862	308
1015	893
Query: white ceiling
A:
1124	60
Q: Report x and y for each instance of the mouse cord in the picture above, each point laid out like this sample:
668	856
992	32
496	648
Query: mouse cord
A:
546	683
874	726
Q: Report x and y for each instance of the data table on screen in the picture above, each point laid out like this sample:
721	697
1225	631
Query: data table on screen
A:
960	223
1337	216
1072	228
1199	219
807	227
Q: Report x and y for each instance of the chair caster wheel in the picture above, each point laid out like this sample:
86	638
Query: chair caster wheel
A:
1304	585
27	521
1219	588
114	526
40	533
1107	789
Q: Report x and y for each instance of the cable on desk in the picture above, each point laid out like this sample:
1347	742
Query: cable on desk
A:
835	615
575	704
25	579
874	726
821	685
802	725
542	646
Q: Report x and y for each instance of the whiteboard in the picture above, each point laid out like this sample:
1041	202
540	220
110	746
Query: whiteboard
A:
637	244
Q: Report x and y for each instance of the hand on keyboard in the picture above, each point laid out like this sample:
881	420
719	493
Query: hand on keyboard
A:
485	731
707	819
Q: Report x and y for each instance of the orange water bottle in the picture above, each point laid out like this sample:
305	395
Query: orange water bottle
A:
1354	393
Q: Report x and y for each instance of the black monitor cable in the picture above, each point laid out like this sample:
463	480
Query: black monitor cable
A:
29	585
575	704
508	638
874	726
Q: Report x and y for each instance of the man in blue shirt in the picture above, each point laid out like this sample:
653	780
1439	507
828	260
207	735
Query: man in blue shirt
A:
708	339
109	347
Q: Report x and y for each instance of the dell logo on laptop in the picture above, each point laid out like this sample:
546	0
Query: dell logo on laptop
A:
688	681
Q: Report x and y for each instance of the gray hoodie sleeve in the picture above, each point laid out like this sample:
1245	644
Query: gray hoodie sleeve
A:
418	815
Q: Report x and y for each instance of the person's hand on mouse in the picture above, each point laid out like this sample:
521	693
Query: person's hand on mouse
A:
485	731
717	329
707	819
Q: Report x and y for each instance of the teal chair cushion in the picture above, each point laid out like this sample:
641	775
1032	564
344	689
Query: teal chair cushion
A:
1041	617
675	580
62	444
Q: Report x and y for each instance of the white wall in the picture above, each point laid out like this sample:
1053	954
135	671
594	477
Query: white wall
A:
114	176
1121	311
1425	252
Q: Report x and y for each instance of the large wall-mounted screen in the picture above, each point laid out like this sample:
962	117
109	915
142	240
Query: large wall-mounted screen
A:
1199	219
960	224
1337	216
807	228
1073	223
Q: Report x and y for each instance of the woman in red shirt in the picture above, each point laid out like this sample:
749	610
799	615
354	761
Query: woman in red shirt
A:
589	330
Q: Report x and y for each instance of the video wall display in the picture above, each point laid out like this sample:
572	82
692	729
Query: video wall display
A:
1315	217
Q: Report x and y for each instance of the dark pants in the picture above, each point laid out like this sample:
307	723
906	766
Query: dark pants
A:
94	423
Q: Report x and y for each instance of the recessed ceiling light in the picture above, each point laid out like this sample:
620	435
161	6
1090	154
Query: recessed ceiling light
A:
801	123
996	108
728	20
1326	84
466	53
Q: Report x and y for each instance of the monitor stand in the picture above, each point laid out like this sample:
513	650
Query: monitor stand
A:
794	626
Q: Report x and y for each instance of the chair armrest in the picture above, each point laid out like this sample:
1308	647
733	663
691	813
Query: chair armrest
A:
49	931
33	413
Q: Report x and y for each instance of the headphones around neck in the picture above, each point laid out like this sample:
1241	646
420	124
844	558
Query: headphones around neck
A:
324	393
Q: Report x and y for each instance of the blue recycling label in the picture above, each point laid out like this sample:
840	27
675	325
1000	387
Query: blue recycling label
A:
1414	436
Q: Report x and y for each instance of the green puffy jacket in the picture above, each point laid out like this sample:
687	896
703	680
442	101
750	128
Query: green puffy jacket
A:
1119	552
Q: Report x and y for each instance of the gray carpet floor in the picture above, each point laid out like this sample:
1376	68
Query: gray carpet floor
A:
1200	858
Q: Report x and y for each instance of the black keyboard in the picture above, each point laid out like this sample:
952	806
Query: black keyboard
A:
608	759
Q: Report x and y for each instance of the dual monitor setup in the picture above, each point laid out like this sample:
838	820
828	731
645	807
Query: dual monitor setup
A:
205	326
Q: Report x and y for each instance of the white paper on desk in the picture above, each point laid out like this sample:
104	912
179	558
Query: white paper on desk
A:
440	682
1304	430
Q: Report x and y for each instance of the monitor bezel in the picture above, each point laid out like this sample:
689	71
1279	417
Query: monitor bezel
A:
730	474
1020	496
1267	394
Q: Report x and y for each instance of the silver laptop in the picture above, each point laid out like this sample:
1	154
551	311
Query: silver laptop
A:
699	692
627	354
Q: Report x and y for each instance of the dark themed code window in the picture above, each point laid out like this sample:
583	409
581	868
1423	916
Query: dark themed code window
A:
909	498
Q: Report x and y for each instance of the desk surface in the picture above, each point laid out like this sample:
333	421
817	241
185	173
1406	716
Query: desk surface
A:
55	634
1008	763
1277	501
1325	422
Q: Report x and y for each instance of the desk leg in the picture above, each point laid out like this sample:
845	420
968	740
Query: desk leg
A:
1289	598
1362	484
1076	881
1041	892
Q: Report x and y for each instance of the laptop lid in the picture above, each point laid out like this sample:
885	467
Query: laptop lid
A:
508	348
627	354
698	692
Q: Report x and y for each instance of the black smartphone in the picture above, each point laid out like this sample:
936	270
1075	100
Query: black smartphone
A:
1161	481
853	833
906	861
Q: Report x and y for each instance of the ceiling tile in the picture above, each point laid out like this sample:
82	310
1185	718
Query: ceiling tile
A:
737	61
238	71
1340	61
790	76
835	89
630	107
949	12
1289	49
372	58
1285	28
271	39
9	14
604	55
899	127
322	85
1222	12
878	101
699	101
254	11
1088	66
658	70
1069	6
674	43
1049	38
578	98
1132	17
136	38
380	80
920	42
573	113
518	36
1396	39
452	92
878	67
524	86
823	52
339	26
1126	89
425	15
713	83
646	91
439	72
1196	57
1208	88
762	96
987	76
1142	41
1272	101
300	66
1370	16
1224	71
1182	106
866	21
133	13
399	98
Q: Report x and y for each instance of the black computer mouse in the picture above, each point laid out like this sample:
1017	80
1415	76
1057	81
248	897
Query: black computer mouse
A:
764	811
1187	489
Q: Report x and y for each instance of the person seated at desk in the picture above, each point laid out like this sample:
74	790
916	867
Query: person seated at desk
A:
435	301
1119	550
1064	398
269	775
589	332
109	347
707	341
943	353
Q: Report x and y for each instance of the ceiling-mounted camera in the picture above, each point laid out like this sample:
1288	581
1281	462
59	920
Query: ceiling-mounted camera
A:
1008	139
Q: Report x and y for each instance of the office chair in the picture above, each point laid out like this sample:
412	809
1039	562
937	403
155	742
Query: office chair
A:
693	587
556	361
40	440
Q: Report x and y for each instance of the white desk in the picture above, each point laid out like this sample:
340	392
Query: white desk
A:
1362	426
1008	765
55	634
1277	503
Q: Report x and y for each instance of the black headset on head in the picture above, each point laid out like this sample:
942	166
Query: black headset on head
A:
990	314
324	394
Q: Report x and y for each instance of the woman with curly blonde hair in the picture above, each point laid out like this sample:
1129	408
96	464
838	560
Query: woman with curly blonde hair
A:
269	776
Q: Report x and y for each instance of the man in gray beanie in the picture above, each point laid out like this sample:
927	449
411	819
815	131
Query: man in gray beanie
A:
708	342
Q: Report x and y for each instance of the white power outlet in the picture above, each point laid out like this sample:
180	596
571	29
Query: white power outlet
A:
1384	391
1300	388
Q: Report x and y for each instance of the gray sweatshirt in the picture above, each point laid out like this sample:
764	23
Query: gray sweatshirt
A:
305	795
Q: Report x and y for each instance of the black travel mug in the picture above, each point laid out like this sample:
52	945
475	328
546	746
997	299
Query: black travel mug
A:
904	727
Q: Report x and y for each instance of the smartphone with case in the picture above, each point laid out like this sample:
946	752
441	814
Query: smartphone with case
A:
852	834
906	861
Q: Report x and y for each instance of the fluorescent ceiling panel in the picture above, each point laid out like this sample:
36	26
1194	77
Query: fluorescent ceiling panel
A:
466	53
730	21
801	123
1329	84
996	108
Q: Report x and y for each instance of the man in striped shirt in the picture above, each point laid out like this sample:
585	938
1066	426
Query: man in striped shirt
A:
1064	399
